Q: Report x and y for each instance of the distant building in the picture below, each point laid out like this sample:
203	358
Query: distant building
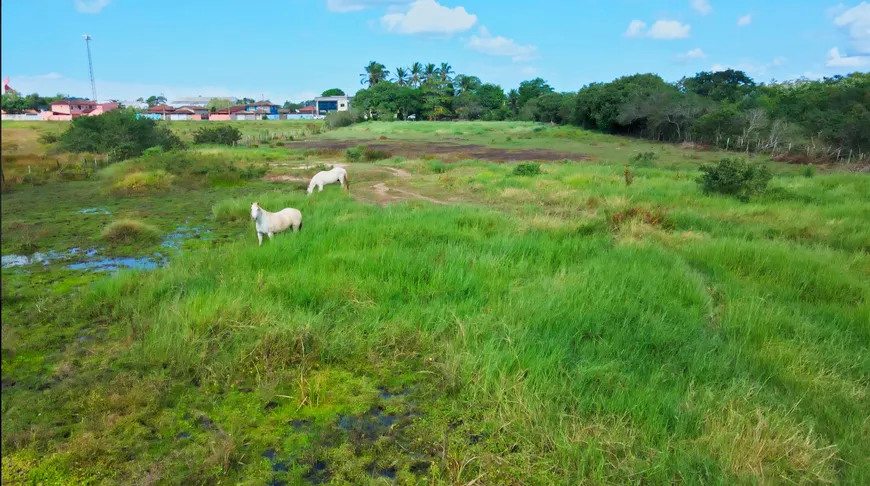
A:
326	104
167	112
69	109
201	101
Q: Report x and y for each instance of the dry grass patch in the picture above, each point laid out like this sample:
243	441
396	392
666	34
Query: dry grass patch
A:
130	231
766	448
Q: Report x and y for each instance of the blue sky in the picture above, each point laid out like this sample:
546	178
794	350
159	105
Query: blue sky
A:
294	49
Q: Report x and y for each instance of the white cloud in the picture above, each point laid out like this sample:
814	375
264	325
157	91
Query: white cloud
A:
529	70
745	20
835	59
857	21
701	6
91	6
635	28
662	29
54	83
751	68
429	17
343	6
692	55
501	46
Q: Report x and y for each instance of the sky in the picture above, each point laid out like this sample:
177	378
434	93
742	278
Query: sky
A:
295	49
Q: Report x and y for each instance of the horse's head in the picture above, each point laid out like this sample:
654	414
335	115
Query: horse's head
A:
255	210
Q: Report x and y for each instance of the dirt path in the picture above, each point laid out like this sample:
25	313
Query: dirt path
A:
451	151
382	193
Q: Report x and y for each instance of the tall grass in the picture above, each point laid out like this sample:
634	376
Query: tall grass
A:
701	358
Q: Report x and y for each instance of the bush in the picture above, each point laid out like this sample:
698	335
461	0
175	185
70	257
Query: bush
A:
130	231
143	182
221	135
808	171
48	138
365	153
735	177
338	119
118	132
644	159
628	175
527	169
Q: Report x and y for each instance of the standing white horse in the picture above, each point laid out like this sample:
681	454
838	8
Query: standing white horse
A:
336	174
270	223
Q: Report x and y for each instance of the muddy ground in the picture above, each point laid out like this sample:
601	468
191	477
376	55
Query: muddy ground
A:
412	149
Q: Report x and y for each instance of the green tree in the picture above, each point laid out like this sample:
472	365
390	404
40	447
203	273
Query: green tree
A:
401	76
464	83
531	89
374	73
13	103
415	74
445	71
117	131
333	92
429	72
155	100
215	104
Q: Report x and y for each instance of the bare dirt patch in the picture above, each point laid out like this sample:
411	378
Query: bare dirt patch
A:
413	149
383	193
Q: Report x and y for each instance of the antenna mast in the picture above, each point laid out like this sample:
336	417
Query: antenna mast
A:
87	39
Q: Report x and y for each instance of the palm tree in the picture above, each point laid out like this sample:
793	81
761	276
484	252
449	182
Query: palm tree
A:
445	71
465	83
429	72
416	74
513	99
375	73
401	76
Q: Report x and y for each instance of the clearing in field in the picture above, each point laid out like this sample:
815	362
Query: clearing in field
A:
455	318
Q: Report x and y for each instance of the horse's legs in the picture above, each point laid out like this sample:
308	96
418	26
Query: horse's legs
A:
260	238
270	236
319	187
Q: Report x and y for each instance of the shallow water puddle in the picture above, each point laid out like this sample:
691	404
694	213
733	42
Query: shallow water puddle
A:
44	258
112	264
95	211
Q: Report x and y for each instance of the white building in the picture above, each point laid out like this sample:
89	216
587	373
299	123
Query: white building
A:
326	104
199	101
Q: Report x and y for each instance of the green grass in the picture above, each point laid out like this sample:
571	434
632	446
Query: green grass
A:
130	231
556	329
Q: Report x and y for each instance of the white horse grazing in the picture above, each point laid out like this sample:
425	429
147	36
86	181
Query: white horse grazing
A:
270	223
336	174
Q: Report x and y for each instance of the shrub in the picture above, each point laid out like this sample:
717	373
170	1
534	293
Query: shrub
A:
118	132
143	182
735	177
130	231
368	154
338	119
527	169
808	171
221	135
644	159
48	138
628	176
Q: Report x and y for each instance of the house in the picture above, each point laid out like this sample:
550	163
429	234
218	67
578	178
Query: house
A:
167	112
69	109
326	104
306	110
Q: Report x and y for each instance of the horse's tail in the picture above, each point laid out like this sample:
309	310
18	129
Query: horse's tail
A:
346	181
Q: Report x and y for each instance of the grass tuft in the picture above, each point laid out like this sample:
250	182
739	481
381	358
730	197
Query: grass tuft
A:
127	231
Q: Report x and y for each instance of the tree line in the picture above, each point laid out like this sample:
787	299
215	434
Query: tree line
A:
828	118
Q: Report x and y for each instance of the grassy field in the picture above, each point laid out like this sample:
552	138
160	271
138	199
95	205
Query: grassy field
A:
445	322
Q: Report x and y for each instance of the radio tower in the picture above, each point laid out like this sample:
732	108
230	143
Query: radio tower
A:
87	39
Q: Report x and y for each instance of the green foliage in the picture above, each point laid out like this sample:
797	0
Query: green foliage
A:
527	169
628	175
333	92
644	159
339	119
808	171
363	153
118	132
128	231
735	177
218	134
48	138
141	182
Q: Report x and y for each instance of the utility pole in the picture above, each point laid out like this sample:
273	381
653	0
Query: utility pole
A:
87	39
